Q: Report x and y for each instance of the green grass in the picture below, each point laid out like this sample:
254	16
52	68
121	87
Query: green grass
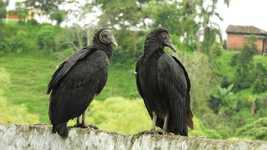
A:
29	75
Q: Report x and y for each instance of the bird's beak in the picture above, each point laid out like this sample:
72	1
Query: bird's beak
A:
170	45
113	41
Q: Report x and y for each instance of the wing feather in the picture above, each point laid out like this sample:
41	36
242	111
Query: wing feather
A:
174	84
66	66
137	73
78	88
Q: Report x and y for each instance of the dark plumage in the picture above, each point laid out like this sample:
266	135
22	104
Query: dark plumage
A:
77	80
164	85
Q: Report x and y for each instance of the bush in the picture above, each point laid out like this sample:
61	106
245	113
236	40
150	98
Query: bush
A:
16	40
225	82
260	84
27	37
245	76
120	115
131	45
58	16
215	103
46	38
254	130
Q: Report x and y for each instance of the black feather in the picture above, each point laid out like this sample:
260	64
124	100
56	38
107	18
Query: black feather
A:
75	83
163	83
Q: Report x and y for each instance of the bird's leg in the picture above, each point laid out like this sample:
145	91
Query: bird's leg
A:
83	119
77	122
80	124
154	115
83	125
165	125
154	128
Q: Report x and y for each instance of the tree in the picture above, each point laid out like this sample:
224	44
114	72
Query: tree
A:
211	30
2	10
245	74
187	20
45	6
22	12
78	37
182	18
124	14
58	15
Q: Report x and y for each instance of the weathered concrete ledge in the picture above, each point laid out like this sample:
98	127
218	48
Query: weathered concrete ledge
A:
39	137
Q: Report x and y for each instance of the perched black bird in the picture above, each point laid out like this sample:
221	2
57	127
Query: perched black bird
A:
77	80
163	83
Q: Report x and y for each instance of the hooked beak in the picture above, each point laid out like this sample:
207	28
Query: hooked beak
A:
113	41
170	45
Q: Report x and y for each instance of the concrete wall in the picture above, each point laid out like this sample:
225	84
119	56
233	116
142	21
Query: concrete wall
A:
39	137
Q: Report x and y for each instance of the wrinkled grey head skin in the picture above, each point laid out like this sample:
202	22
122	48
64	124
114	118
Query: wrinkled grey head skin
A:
104	40
106	37
158	39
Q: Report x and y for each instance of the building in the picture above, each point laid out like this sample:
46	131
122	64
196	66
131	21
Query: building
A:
12	11
237	37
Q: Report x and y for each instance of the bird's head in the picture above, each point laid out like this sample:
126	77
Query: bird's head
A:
105	37
158	39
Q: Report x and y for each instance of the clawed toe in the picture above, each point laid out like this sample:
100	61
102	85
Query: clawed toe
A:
154	131
85	126
92	126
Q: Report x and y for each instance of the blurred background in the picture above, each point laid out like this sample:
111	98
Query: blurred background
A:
222	44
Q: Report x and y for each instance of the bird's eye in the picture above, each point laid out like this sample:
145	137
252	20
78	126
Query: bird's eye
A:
105	35
164	36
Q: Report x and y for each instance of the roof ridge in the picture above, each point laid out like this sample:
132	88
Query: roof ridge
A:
246	29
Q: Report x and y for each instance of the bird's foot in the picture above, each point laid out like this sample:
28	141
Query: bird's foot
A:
154	131
83	125
92	126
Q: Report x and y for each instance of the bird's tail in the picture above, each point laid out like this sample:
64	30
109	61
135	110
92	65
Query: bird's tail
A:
178	123
61	129
189	119
189	114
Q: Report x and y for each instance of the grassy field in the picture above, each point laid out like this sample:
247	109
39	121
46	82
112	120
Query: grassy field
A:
28	76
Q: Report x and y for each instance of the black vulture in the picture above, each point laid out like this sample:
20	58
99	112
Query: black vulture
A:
77	80
163	83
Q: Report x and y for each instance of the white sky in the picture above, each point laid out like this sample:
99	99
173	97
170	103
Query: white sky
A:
240	12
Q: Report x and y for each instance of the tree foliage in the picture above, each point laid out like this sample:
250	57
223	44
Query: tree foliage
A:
22	12
187	19
58	16
245	74
2	9
124	14
44	5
